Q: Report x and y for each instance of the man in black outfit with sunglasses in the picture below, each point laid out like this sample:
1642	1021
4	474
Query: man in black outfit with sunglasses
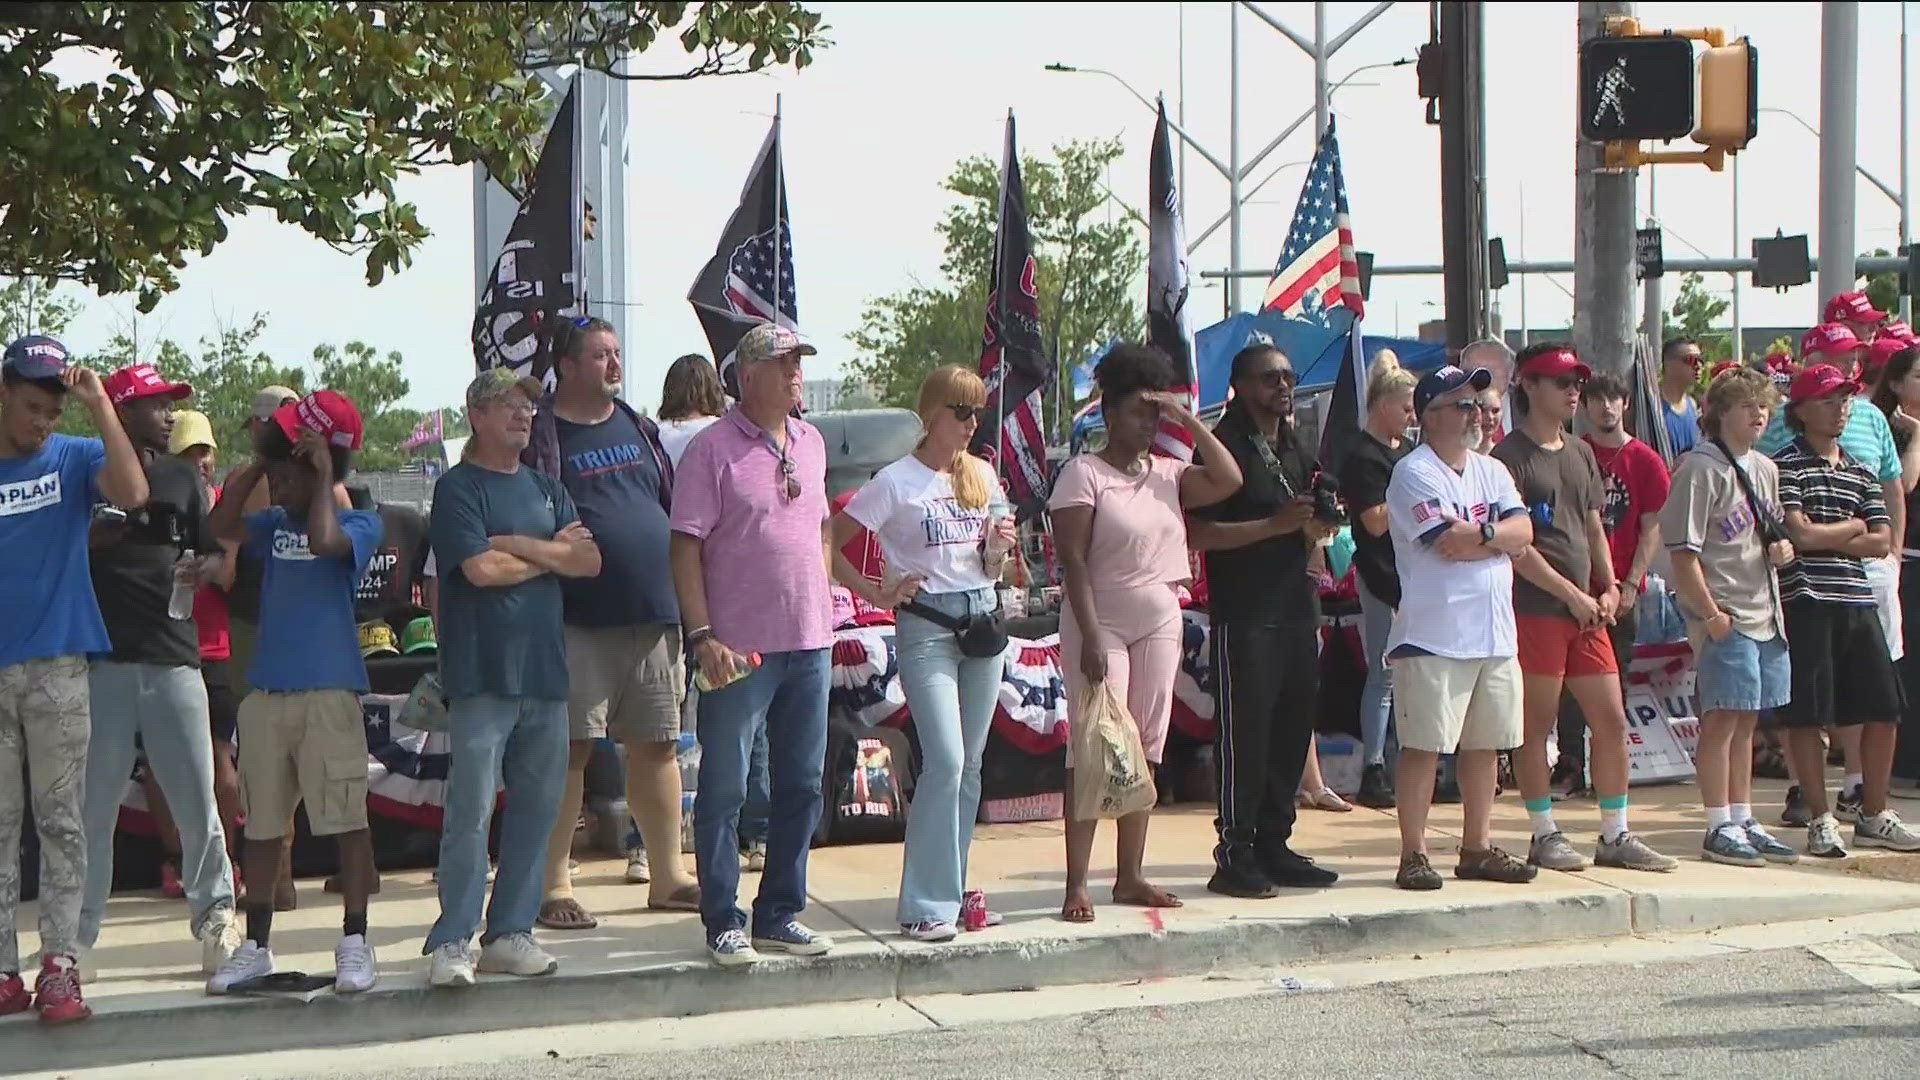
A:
1266	625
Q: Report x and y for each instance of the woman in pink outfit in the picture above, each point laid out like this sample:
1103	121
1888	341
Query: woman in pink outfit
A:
1119	525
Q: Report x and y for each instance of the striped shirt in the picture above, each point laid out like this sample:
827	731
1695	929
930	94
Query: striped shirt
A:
1827	493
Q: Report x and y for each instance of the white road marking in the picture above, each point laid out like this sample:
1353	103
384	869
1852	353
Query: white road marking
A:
1873	966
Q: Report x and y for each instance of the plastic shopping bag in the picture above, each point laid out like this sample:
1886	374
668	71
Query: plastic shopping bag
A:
1111	777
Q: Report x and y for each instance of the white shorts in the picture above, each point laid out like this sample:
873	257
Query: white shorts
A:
1441	704
1883	575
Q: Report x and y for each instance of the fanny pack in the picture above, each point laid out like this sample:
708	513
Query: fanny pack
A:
981	635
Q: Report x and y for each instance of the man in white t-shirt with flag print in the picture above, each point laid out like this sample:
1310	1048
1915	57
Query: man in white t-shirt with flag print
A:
1457	522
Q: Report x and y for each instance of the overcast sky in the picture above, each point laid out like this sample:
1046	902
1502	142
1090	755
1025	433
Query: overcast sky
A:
908	89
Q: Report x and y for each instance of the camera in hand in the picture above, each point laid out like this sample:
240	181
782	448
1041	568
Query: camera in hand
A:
1326	499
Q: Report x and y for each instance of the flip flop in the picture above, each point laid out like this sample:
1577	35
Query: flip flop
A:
1077	913
685	898
1156	897
565	914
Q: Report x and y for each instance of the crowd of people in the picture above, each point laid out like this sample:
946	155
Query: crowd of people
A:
602	574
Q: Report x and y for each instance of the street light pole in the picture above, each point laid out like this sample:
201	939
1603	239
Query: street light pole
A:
1906	205
1233	153
1839	115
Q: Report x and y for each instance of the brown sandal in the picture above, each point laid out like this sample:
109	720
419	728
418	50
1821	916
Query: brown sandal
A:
566	914
1153	897
1076	911
684	898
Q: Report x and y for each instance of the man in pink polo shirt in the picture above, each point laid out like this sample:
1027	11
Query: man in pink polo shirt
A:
750	553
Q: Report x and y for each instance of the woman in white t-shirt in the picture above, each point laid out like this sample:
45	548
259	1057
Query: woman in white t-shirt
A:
945	531
690	399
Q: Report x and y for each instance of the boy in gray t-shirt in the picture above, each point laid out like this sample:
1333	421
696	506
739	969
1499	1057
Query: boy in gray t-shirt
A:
1723	569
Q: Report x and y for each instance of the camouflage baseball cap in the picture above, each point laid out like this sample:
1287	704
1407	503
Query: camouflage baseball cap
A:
767	341
495	384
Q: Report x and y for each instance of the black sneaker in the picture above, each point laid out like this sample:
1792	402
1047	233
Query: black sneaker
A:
1795	813
1847	806
1238	875
1291	870
1375	791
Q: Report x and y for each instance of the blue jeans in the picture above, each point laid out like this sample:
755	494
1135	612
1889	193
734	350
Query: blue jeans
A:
951	698
787	694
753	817
166	706
523	742
1376	697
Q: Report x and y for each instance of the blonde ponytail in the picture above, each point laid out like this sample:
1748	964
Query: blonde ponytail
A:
969	479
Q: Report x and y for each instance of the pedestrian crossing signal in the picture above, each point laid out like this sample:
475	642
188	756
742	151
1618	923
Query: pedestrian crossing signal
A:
1634	88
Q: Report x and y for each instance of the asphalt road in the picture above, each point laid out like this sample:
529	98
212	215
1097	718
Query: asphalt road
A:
1781	1012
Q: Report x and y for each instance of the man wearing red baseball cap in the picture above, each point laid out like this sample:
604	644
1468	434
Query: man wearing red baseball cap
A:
1857	313
1868	439
148	686
302	737
1843	675
1563	603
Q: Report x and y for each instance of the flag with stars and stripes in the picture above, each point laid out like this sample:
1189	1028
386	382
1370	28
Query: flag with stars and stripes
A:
749	280
1013	360
1169	325
1318	271
537	275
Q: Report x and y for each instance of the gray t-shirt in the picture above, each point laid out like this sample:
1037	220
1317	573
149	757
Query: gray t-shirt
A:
504	641
1707	513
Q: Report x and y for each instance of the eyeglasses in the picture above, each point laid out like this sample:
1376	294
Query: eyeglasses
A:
964	413
1276	377
516	408
1465	405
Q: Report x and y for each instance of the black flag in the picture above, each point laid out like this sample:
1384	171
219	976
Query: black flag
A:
1169	327
1012	360
537	274
749	280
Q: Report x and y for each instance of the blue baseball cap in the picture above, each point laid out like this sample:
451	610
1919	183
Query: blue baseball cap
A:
36	356
1442	380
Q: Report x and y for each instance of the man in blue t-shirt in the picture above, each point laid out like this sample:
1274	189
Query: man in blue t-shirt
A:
302	734
48	486
624	659
1679	374
508	536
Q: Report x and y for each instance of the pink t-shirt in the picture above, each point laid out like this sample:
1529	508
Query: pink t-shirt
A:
761	553
1139	533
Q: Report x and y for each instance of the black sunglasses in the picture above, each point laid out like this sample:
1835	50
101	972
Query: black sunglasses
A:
792	487
1275	377
964	413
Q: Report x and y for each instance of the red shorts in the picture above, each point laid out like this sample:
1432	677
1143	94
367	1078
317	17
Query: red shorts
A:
1555	645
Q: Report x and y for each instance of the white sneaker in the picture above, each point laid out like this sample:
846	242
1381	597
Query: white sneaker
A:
516	954
452	965
638	872
249	961
1823	838
1885	830
930	930
218	939
353	967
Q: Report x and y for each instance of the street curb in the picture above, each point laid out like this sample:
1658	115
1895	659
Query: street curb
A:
868	967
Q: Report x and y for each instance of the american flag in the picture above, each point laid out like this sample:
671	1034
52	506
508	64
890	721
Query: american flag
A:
760	278
430	429
1317	270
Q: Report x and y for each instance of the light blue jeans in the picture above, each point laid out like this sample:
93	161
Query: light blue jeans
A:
524	742
165	706
787	696
1376	697
951	699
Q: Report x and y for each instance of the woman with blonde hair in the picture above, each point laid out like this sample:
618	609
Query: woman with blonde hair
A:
945	532
1364	475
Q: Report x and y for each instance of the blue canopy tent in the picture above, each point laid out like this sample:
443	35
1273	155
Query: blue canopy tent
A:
1316	352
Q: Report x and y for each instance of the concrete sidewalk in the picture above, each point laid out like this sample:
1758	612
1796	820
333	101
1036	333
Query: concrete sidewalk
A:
146	989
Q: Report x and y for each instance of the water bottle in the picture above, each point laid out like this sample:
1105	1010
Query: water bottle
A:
740	671
180	602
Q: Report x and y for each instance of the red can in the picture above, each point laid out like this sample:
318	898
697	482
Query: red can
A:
973	910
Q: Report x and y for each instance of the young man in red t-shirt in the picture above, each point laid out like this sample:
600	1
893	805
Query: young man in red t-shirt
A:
1636	483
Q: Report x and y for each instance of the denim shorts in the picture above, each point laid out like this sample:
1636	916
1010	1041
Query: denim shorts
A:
1740	674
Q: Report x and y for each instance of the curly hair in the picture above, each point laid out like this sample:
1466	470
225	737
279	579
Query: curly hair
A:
1129	368
1729	389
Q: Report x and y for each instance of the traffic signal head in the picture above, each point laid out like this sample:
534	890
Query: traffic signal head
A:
1634	88
1729	96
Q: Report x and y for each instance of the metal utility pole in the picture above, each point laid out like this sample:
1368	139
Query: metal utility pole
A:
1233	153
1462	156
1603	324
1906	203
1839	114
1739	340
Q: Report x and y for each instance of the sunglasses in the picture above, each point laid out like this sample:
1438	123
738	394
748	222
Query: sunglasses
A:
1567	382
1465	405
1276	377
790	483
964	413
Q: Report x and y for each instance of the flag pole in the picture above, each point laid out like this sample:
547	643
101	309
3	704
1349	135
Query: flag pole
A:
999	237
779	211
579	194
